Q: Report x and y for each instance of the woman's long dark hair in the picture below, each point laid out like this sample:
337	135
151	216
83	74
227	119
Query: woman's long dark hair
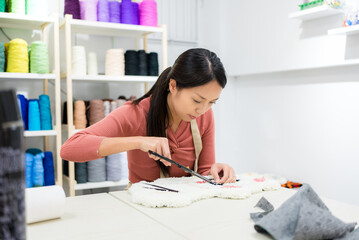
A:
193	68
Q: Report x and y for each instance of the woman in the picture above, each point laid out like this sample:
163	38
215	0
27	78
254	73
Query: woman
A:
174	119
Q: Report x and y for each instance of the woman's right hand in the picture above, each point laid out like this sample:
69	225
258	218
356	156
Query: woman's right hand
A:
158	145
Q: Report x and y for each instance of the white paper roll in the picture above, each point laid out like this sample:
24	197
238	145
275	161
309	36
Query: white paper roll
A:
44	203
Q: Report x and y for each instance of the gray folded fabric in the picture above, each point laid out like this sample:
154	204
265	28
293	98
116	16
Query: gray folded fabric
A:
304	216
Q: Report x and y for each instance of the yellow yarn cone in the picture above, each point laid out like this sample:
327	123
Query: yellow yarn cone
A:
17	56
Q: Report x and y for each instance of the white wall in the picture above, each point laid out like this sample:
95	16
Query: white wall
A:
299	124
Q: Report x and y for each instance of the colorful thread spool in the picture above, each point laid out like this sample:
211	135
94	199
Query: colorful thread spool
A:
72	7
17	6
115	62
114	8
152	64
24	105
97	111
38	170
2	5
39	58
88	10
49	170
37	8
45	112
148	13
79	60
2	57
103	11
129	12
92	64
96	170
17	56
80	120
34	115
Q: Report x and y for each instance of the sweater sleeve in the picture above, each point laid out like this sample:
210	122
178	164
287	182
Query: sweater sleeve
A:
207	156
122	122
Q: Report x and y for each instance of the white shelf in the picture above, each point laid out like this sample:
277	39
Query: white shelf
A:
343	63
111	29
22	76
40	133
92	185
315	12
12	20
345	30
104	78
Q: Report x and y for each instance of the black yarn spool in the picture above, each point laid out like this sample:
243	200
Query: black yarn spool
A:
12	169
142	59
73	7
131	63
64	113
152	64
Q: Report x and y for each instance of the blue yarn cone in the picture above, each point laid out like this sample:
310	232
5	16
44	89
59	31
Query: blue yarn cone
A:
28	169
24	105
45	112
49	170
34	115
38	170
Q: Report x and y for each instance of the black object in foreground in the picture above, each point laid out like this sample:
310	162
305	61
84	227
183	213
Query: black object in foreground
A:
12	169
185	168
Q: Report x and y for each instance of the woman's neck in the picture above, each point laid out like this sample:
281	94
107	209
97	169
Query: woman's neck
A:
173	119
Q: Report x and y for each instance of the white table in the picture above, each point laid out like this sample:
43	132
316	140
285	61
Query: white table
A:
100	217
113	216
225	218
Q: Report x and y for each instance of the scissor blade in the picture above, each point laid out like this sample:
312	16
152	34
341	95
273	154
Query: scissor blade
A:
190	171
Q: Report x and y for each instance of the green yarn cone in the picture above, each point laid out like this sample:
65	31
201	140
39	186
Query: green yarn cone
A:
39	58
2	5
2	57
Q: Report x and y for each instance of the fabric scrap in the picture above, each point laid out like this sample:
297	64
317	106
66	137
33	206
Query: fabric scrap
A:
303	216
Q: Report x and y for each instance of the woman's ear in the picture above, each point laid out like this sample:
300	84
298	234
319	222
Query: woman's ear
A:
172	85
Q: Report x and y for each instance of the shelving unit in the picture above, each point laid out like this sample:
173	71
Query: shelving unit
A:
137	32
351	30
315	12
11	20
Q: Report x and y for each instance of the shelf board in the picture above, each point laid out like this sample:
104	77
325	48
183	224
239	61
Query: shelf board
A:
315	12
343	63
92	185
12	20
111	29
345	30
40	133
22	76
105	78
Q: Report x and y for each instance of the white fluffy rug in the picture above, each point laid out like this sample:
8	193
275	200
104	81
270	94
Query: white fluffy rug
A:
193	189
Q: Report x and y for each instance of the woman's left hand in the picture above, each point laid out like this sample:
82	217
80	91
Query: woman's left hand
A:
223	173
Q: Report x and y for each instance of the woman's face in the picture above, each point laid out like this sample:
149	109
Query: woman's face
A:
189	103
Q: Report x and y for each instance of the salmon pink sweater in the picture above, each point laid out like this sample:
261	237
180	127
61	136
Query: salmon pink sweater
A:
130	120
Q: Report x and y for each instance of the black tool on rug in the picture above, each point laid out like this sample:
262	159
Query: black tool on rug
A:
160	188
185	168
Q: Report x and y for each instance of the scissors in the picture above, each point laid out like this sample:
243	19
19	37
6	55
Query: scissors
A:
185	168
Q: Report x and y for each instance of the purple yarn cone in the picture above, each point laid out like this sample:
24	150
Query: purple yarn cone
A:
115	11
129	12
72	7
103	11
89	10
